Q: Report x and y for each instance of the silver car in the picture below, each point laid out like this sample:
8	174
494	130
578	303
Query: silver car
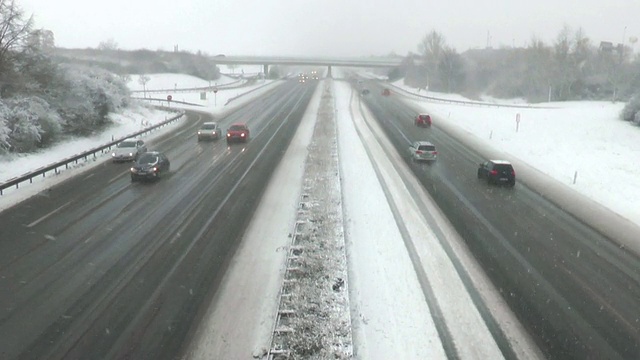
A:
423	151
209	131
128	150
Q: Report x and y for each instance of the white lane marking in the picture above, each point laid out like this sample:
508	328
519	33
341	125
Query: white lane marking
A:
47	215
115	178
88	176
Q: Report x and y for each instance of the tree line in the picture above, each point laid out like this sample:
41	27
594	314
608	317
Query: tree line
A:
571	68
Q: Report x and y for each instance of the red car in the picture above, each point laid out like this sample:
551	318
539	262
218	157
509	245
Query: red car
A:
238	132
423	120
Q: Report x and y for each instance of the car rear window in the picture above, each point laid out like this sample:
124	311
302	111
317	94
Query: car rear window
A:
503	167
427	148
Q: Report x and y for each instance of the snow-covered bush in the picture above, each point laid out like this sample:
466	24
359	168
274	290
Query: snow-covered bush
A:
631	111
4	128
48	121
91	94
74	100
31	123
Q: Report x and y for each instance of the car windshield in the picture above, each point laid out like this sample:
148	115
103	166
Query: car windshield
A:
127	144
237	128
209	127
148	159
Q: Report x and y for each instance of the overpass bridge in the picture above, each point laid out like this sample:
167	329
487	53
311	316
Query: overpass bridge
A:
266	61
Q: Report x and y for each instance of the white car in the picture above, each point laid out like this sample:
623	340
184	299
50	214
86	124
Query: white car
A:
128	150
423	151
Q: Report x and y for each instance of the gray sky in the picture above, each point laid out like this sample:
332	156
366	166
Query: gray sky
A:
327	27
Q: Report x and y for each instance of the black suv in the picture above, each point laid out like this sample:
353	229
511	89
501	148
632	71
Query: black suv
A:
497	172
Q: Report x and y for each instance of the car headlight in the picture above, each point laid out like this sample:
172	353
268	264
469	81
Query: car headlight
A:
130	154
133	170
199	133
113	154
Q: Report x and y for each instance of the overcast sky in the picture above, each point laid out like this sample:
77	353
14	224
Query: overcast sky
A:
327	27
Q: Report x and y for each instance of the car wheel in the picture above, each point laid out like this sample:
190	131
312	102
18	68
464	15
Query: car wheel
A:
479	174
133	179
489	181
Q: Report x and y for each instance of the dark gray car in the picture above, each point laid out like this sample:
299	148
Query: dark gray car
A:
497	172
150	166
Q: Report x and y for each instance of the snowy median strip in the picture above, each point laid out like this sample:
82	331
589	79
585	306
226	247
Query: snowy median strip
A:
313	319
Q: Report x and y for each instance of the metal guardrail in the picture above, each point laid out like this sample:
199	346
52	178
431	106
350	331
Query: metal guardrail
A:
248	92
473	103
228	85
164	101
16	181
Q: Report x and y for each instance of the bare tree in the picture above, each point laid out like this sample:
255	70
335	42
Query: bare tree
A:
14	31
108	45
564	69
432	47
451	69
143	80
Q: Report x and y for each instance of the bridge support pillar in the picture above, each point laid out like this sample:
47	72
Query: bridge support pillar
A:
329	72
265	70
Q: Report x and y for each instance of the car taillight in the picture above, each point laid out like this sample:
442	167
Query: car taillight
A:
419	152
513	172
493	172
434	153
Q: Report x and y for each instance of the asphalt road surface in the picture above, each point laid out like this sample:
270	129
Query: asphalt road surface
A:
576	290
99	267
